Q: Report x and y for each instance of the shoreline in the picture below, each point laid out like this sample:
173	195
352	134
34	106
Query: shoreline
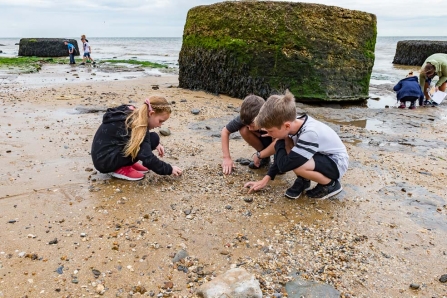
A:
384	232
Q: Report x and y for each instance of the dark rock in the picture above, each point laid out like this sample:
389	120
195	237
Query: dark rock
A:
183	100
96	273
443	278
12	221
243	161
195	111
248	199
1	52
318	52
2	45
305	288
46	47
414	52
54	241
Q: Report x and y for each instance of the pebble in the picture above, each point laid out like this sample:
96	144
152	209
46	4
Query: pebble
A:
96	272
54	241
443	278
12	221
60	270
195	111
248	199
165	131
414	286
83	235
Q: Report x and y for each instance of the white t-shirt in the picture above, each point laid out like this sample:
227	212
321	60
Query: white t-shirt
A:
86	47
315	136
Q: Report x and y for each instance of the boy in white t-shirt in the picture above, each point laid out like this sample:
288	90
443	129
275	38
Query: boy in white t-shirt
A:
308	147
87	51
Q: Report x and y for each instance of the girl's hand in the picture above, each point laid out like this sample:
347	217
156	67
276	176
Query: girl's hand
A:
161	150
176	171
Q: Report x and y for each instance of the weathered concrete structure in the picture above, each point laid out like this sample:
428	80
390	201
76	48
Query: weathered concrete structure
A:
414	52
318	52
46	47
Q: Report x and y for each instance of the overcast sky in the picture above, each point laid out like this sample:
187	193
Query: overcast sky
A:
166	18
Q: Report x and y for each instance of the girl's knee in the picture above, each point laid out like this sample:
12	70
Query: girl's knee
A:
155	140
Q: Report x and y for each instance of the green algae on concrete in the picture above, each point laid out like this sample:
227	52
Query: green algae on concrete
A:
27	64
136	62
318	52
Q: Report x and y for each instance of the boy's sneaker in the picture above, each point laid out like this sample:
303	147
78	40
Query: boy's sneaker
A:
128	173
264	162
297	188
402	106
412	107
325	191
140	168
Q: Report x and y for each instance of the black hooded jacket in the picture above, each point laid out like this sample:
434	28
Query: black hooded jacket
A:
110	140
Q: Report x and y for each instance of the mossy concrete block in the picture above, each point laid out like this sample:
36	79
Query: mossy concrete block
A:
318	52
414	52
46	47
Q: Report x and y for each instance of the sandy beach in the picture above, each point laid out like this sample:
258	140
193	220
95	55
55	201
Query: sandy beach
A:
70	231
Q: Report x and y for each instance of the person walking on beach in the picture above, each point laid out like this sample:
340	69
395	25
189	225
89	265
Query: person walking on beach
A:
87	51
309	148
408	89
71	51
256	138
434	65
124	138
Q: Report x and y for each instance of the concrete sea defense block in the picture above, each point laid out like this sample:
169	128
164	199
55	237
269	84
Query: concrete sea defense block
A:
318	52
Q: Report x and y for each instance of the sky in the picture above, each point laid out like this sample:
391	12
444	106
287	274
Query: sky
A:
166	18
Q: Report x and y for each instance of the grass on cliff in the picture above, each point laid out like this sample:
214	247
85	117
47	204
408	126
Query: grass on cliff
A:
136	62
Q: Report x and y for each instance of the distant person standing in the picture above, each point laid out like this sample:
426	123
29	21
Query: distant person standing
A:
87	51
434	65
71	51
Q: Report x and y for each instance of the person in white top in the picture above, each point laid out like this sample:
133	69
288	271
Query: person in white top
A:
87	51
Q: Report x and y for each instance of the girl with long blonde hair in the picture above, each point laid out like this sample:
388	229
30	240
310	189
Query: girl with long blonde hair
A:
124	138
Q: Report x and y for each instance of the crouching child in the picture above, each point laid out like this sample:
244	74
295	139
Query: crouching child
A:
309	148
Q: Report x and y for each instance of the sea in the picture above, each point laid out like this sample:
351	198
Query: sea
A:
165	50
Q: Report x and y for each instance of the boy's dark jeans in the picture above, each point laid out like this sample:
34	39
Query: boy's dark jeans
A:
72	58
411	99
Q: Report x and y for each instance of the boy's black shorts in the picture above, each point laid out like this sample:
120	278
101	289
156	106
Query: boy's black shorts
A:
326	166
266	141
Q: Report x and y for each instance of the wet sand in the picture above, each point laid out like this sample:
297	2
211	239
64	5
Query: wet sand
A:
108	237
